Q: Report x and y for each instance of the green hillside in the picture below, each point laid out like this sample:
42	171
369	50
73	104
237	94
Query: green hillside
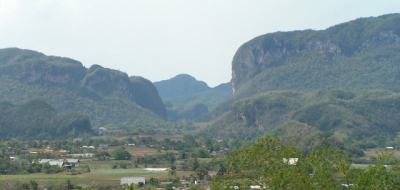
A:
349	120
357	55
108	97
37	119
190	99
339	85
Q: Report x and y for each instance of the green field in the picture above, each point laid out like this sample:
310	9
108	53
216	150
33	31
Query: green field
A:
101	173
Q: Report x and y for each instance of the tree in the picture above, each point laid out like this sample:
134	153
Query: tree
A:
121	154
201	172
379	175
221	170
69	185
154	181
172	170
102	155
34	185
264	163
195	164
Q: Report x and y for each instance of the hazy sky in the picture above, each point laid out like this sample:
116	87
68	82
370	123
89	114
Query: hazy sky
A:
158	39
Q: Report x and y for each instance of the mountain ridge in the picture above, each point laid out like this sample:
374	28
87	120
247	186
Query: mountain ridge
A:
107	96
260	63
338	86
190	99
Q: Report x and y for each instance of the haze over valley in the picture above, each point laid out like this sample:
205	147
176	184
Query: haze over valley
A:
303	109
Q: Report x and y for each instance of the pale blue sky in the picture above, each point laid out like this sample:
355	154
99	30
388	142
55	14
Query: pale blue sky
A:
158	39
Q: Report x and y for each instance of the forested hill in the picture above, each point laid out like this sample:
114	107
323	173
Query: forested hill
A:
38	120
188	98
357	55
339	85
180	86
108	97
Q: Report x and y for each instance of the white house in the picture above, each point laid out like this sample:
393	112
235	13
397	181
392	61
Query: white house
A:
52	162
156	169
132	180
255	187
290	161
347	186
88	147
72	162
68	163
84	155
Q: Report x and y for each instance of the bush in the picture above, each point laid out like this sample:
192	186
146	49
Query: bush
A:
121	154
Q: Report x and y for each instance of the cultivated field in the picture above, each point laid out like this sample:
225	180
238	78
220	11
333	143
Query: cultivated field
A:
101	173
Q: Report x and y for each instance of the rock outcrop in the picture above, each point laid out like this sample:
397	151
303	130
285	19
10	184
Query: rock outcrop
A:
338	57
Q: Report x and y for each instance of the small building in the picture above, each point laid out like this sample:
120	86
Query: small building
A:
59	163
87	147
52	162
103	145
84	155
389	148
133	180
185	183
156	169
290	161
257	187
72	162
63	151
347	186
67	163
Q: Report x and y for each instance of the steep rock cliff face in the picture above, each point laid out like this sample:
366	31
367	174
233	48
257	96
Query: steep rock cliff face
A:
107	82
107	96
146	94
338	57
34	67
340	85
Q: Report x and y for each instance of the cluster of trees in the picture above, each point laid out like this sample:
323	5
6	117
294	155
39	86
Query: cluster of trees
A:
324	168
37	119
22	165
8	166
34	185
353	121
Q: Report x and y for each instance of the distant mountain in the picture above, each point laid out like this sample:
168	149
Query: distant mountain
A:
189	98
180	86
107	96
339	85
357	55
37	119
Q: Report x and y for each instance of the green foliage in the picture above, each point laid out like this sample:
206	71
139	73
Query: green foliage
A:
37	119
102	155
379	175
180	86
121	154
357	55
187	98
264	164
107	96
146	95
348	120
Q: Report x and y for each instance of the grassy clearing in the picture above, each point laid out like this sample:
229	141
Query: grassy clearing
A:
101	173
